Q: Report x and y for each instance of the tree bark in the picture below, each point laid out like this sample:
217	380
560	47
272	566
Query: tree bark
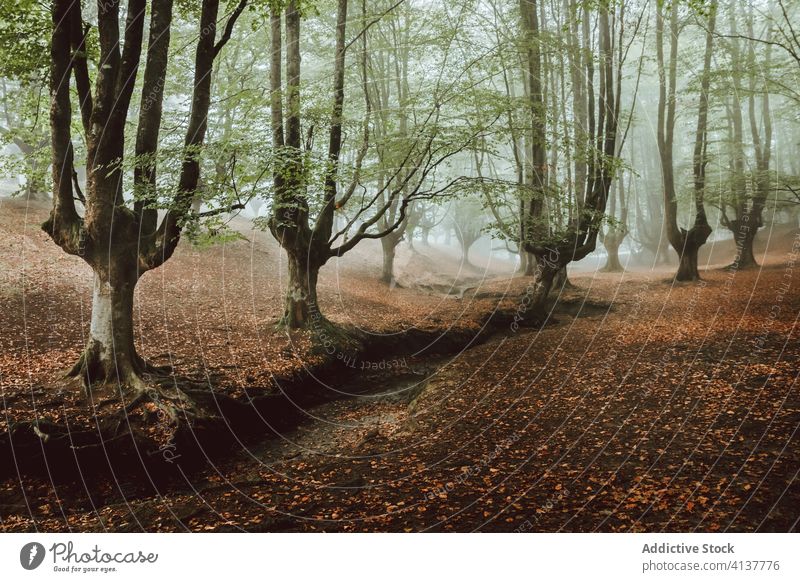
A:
743	226
527	263
531	211
749	216
532	307
307	248
110	355
301	309
581	238
616	232
389	246
687	264
612	242
561	280
744	235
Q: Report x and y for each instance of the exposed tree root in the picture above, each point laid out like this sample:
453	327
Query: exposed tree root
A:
331	339
126	371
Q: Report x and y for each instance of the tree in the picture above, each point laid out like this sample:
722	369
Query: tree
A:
304	205
467	221
748	194
495	94
504	209
554	247
617	229
119	236
388	87
685	242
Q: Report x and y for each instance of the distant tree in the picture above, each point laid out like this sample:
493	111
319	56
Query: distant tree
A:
467	219
742	201
617	228
24	124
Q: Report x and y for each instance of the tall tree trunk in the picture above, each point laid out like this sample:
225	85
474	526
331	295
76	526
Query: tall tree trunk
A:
740	226
533	226
750	220
685	242
289	221
575	56
667	78
307	248
616	233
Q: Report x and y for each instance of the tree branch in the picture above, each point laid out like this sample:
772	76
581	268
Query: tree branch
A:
226	34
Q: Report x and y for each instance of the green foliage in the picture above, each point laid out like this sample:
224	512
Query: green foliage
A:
24	104
207	232
24	39
306	8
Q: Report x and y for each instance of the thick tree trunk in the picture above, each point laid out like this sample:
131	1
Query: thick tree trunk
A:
687	265
532	306
688	249
612	242
697	236
560	280
465	246
110	359
743	236
389	246
110	355
527	264
301	309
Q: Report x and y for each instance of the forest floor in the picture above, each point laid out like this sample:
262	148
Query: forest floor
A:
642	406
